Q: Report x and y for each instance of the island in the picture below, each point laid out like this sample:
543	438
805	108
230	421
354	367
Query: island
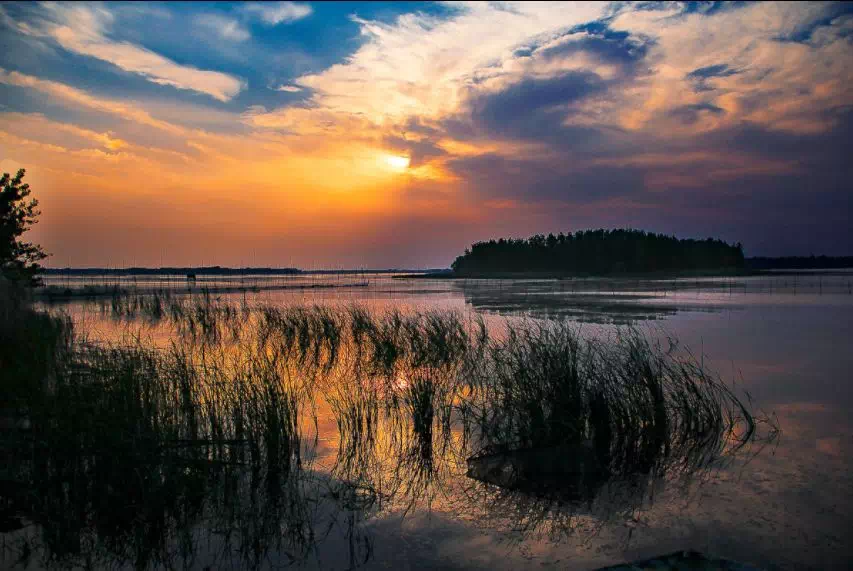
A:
599	252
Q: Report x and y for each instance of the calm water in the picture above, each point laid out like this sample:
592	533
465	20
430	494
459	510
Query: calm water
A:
786	339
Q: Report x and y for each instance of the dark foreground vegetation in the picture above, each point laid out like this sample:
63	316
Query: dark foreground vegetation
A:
19	260
203	450
598	252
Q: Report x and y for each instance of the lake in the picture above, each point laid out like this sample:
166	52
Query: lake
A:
784	338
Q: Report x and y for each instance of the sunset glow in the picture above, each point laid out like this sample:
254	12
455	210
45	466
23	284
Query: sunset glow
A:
220	131
397	162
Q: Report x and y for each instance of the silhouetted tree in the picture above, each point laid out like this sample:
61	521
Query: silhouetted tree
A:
19	261
598	252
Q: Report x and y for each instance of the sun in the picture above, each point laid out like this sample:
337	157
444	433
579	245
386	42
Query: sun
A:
397	162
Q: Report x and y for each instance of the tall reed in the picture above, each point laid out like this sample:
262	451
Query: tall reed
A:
217	433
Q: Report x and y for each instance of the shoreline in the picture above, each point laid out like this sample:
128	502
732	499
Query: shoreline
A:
60	294
450	275
745	272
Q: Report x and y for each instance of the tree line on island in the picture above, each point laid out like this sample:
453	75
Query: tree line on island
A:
598	252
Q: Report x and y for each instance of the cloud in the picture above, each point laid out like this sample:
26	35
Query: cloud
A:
418	150
540	179
690	114
73	140
226	28
105	139
719	70
533	108
307	121
664	66
743	60
703	76
82	29
732	121
128	111
275	13
423	65
577	92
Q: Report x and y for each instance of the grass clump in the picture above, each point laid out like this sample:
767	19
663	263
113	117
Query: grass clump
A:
134	455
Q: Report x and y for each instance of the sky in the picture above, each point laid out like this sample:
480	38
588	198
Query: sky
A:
325	135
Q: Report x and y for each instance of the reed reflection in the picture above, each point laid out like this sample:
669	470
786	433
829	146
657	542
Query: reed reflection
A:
209	445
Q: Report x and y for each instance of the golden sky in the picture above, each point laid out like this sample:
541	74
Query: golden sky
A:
394	135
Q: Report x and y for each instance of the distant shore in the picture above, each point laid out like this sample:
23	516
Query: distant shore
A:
722	273
451	275
218	271
60	293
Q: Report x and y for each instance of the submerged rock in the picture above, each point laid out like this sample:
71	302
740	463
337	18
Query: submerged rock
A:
567	473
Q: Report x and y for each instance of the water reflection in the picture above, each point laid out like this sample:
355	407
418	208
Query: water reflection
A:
205	451
626	300
613	308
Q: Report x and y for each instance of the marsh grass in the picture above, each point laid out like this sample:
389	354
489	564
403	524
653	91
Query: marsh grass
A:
565	426
31	345
389	380
142	445
133	450
217	432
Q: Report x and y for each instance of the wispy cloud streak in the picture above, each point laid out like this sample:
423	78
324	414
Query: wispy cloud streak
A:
275	13
82	29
